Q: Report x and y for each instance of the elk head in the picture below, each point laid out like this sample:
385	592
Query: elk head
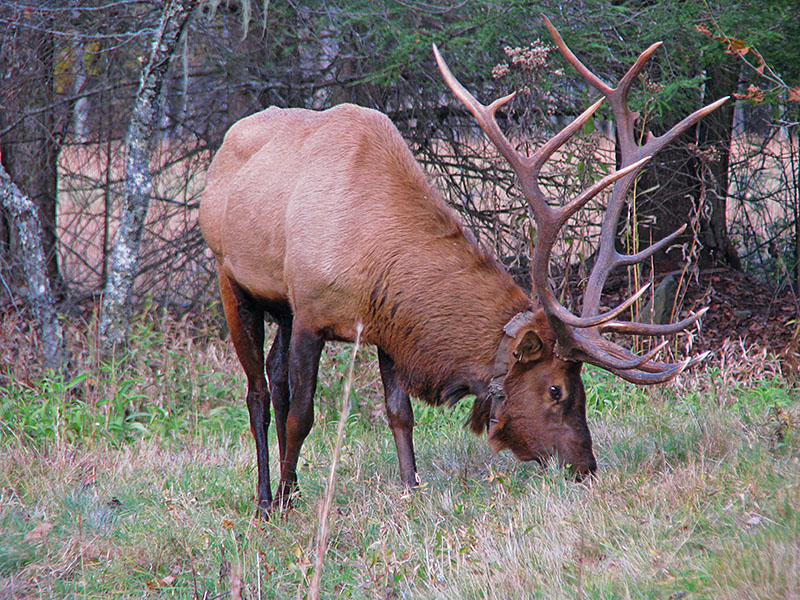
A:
536	404
549	363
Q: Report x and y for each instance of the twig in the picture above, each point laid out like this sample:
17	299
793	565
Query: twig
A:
236	583
322	533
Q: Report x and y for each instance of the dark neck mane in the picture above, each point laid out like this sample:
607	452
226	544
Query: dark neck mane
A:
442	321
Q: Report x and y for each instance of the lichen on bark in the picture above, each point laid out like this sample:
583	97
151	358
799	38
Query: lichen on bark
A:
115	311
40	296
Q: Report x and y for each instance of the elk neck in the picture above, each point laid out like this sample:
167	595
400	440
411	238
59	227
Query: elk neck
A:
440	316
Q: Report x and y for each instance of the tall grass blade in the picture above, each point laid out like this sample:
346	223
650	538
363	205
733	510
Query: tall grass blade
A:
325	510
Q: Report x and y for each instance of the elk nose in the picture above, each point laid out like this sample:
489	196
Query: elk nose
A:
591	468
587	469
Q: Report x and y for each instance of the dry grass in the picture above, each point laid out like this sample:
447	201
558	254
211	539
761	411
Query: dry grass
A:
698	494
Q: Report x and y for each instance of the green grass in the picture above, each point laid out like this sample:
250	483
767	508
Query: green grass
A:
146	470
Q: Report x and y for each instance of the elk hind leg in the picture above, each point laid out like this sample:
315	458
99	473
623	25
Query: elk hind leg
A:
305	347
246	323
278	373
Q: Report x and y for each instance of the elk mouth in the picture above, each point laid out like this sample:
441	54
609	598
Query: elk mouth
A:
584	472
579	470
580	463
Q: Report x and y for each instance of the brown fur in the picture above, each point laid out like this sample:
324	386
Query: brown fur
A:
368	239
329	215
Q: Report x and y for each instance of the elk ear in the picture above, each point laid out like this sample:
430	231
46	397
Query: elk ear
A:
528	346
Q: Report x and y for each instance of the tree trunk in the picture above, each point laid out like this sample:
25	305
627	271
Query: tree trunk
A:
80	110
714	144
138	182
25	217
30	146
688	181
668	195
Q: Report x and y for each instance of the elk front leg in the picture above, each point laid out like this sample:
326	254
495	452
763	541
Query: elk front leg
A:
400	417
246	323
305	347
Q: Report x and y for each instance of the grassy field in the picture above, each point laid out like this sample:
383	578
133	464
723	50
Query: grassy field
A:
137	481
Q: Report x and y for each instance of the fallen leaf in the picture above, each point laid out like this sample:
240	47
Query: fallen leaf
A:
155	584
39	532
90	479
754	521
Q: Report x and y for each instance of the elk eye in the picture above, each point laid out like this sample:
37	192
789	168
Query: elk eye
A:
555	393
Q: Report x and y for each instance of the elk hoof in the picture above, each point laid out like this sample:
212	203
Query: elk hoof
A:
264	510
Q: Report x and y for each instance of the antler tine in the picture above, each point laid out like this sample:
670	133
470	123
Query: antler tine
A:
656	143
607	256
667	372
644	362
627	80
590	77
597	350
568	318
542	250
580	338
646	378
652	329
617	259
581	199
485	116
543	154
591	346
632	259
631	153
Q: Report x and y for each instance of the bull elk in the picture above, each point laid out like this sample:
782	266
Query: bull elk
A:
326	222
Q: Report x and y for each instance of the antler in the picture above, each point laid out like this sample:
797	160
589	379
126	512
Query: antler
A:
580	338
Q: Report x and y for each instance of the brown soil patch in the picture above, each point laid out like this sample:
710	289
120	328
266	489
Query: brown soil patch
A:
745	319
742	308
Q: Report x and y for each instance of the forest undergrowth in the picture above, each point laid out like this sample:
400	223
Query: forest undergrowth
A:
136	479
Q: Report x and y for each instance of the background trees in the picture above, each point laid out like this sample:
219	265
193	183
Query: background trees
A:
70	74
138	182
